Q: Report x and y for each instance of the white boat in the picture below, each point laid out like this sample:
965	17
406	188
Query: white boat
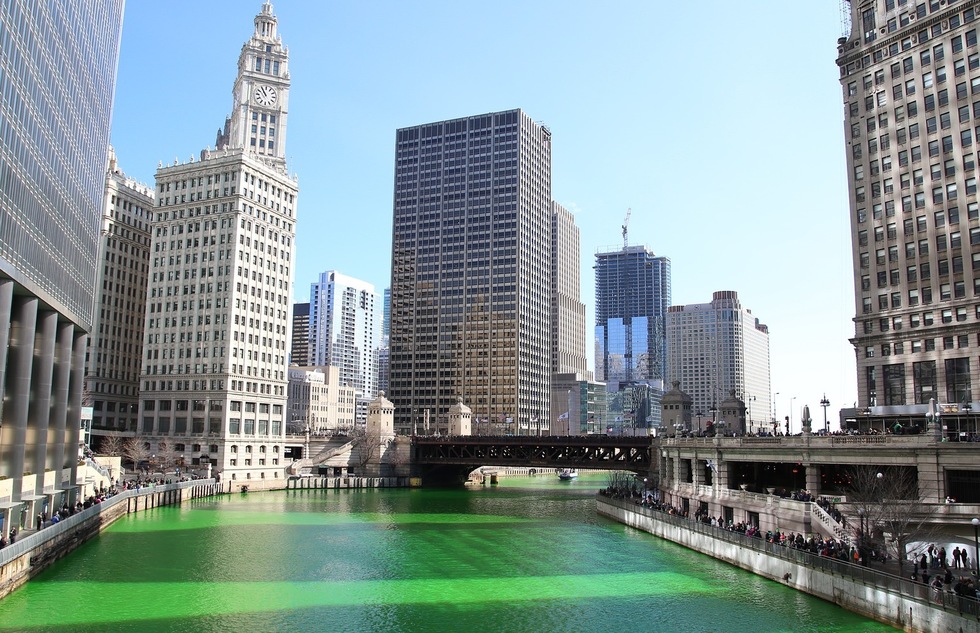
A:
567	474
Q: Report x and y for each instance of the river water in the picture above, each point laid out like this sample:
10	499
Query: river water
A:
528	555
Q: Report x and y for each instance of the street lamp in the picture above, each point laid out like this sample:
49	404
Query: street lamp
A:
699	414
789	418
825	403
976	546
713	410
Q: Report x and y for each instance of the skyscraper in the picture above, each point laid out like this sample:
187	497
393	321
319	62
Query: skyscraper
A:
300	340
58	59
632	292
215	355
116	344
717	349
910	74
567	309
471	262
345	330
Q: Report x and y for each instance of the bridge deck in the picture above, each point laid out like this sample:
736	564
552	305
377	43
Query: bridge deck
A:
598	452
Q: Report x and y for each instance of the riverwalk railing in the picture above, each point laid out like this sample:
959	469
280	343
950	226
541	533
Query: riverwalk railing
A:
905	587
29	542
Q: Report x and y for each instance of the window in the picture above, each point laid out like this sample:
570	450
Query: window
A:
924	381
958	388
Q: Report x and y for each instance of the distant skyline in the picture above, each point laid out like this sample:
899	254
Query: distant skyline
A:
719	124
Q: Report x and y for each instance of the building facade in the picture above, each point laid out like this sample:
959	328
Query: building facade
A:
578	405
217	325
716	349
471	262
57	78
115	351
299	344
318	402
910	76
345	330
384	351
632	292
567	309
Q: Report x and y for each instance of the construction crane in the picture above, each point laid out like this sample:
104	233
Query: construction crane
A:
626	224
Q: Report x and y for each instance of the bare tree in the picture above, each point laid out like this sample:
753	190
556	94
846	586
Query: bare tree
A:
112	445
169	456
890	512
136	451
366	447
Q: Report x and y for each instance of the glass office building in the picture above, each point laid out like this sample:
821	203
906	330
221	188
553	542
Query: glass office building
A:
632	289
57	81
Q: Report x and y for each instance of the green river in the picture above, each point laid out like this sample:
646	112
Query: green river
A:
528	555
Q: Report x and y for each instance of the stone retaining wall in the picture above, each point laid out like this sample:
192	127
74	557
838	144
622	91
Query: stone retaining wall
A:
866	598
33	553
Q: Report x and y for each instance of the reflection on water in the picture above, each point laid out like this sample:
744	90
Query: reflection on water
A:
528	555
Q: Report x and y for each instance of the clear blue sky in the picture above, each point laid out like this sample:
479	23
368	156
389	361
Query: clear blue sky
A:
719	123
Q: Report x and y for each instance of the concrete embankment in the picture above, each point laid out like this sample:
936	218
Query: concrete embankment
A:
32	553
896	601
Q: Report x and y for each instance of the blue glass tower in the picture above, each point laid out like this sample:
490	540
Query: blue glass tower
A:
632	287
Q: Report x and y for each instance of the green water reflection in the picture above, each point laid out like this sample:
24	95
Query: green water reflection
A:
528	555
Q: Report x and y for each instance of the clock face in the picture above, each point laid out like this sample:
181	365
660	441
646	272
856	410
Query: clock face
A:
265	95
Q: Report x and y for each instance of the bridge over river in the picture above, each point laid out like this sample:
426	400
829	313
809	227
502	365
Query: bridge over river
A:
449	460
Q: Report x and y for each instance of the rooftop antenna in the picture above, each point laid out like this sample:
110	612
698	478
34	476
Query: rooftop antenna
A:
626	224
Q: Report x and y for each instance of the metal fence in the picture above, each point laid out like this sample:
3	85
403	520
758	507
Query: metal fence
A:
904	587
30	541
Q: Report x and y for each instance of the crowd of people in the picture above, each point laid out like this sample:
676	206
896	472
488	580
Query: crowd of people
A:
43	520
931	567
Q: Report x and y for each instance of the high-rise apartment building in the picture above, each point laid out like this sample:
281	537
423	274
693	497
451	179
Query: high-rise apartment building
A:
718	349
910	74
57	78
632	293
115	350
345	330
471	272
567	309
217	328
299	344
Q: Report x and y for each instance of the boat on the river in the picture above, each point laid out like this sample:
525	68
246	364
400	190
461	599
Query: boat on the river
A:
567	474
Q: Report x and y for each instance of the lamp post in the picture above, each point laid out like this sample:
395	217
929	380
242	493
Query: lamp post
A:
714	411
789	418
699	414
976	546
775	413
825	403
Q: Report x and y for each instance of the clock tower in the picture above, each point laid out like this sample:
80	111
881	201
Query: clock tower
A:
261	94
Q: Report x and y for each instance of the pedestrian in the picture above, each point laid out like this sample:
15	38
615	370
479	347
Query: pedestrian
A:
40	520
13	535
943	562
956	558
937	586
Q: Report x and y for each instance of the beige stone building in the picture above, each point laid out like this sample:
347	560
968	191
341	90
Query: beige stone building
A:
910	79
318	401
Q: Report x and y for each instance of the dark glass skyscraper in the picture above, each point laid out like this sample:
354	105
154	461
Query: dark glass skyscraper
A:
57	80
471	272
